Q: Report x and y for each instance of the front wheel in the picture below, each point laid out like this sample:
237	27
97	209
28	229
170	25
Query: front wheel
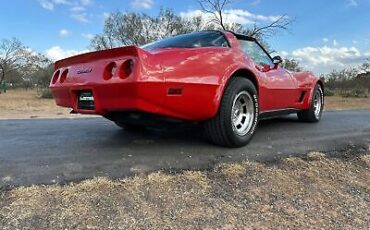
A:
313	114
237	117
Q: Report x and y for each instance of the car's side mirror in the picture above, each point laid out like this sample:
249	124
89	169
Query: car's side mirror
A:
277	60
263	67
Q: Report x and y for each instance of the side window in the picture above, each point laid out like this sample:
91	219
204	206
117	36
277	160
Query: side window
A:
253	50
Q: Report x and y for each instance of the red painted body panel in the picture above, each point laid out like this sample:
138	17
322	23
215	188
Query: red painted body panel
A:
198	75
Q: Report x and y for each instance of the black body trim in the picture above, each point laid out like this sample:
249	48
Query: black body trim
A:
277	113
143	118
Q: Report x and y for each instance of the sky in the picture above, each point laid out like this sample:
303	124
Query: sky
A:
325	34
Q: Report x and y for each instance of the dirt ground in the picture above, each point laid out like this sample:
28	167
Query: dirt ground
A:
17	104
314	192
21	104
340	103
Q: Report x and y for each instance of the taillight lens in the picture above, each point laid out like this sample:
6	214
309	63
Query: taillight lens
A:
126	69
55	77
63	76
110	71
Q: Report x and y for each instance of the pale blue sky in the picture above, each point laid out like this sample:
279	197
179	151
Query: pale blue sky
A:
326	34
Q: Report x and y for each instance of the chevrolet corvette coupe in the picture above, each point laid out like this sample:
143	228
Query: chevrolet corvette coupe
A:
220	79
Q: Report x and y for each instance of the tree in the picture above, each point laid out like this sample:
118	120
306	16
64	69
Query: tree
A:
41	77
18	63
122	29
365	67
292	65
216	8
282	23
343	80
11	55
350	82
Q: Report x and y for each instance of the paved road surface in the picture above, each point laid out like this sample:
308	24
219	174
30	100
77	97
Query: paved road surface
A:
61	150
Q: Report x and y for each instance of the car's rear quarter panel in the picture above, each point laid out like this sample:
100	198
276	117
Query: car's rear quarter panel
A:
199	72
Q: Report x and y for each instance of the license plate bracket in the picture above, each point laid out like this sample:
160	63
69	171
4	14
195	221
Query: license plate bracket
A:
85	100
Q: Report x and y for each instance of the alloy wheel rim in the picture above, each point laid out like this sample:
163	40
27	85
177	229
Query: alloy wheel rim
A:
317	104
242	113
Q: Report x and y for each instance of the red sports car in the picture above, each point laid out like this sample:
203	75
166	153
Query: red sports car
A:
224	80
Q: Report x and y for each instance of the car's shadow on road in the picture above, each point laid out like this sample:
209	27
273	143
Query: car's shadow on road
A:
182	135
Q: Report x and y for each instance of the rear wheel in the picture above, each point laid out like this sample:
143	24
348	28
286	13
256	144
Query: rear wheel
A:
313	114
237	117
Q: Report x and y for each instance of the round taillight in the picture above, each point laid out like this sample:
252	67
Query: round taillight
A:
63	76
110	71
126	69
55	77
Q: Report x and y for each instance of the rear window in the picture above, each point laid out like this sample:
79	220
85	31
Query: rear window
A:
192	40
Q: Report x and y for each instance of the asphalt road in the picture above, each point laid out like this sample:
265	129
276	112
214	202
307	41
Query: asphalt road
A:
48	151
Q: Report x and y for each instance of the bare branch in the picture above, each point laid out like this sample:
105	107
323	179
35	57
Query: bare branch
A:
216	8
282	23
121	29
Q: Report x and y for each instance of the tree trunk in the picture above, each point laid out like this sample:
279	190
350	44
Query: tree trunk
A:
221	20
2	77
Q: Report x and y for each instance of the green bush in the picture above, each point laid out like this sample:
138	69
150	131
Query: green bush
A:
328	93
44	93
358	93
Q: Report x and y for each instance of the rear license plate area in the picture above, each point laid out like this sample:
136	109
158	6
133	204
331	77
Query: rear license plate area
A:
85	100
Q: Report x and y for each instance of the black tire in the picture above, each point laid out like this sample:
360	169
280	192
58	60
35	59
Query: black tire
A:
220	129
310	115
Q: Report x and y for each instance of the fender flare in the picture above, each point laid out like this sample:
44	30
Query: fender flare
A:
316	82
237	69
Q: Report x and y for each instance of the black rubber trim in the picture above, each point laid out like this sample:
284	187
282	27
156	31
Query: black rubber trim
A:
277	113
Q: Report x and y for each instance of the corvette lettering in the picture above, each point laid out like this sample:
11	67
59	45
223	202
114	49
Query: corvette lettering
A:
82	71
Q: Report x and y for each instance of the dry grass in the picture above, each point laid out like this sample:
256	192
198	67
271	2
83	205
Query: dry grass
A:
318	193
25	104
341	103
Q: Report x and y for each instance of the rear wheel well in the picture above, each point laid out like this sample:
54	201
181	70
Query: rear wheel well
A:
246	74
243	73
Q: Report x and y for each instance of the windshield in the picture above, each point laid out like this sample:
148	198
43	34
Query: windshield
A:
192	40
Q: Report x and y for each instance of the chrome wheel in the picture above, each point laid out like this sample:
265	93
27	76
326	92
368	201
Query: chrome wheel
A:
317	102
242	113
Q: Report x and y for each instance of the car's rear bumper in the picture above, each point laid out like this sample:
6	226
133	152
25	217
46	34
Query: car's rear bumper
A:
111	97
